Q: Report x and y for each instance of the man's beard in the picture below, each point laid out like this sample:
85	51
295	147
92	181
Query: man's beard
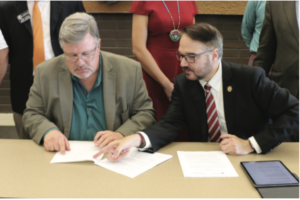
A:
197	77
206	70
87	74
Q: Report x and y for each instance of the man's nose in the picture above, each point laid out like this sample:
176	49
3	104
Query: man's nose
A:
183	62
79	61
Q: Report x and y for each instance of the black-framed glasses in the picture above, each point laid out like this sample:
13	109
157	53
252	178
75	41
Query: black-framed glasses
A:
189	58
86	56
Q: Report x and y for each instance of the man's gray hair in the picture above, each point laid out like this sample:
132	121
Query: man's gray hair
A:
76	27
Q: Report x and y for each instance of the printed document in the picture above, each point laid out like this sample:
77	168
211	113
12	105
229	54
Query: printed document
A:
132	165
80	151
206	164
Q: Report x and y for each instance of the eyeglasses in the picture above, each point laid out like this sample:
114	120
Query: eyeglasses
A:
86	56
189	58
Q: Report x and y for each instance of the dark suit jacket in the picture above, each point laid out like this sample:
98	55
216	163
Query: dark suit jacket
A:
279	44
19	39
254	100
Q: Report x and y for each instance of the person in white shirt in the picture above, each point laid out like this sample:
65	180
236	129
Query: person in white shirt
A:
16	24
234	104
3	56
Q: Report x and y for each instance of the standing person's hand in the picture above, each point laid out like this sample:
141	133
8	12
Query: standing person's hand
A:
168	88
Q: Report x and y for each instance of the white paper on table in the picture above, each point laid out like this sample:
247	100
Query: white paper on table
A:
134	163
206	164
80	151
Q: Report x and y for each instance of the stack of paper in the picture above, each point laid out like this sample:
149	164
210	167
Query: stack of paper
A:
132	165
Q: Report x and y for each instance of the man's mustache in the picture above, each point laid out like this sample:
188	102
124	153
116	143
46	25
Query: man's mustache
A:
187	68
81	67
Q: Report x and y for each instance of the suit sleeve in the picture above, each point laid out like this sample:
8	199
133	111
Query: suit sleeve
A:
34	120
267	42
167	129
279	105
142	114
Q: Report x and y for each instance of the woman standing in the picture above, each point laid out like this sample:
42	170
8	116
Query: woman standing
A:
155	39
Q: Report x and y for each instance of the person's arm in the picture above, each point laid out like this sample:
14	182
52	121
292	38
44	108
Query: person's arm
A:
3	63
280	106
167	129
267	42
34	118
139	49
276	103
248	23
158	135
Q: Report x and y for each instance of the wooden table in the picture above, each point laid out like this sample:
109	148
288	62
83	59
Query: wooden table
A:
25	171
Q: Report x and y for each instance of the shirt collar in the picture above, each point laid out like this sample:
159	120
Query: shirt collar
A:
216	80
99	76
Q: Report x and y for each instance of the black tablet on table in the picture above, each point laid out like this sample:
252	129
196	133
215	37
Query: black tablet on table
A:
272	179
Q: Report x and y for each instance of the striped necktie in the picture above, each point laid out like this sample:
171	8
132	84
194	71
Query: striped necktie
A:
212	116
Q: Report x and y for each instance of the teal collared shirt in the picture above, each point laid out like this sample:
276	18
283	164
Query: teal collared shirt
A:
88	109
88	115
252	23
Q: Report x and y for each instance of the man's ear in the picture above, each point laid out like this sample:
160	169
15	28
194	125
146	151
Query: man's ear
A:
99	43
215	54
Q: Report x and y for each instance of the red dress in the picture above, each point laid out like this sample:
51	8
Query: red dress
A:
160	45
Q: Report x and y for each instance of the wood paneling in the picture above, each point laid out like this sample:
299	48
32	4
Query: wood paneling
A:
204	7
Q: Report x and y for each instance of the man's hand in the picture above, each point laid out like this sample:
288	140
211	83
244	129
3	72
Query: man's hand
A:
120	148
103	138
56	141
233	145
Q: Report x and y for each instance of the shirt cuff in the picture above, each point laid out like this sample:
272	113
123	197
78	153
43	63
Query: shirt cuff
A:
147	141
255	144
51	129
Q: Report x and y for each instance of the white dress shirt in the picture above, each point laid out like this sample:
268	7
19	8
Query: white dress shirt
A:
216	84
44	7
3	44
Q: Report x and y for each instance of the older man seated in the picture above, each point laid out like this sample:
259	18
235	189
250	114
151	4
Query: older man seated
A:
86	94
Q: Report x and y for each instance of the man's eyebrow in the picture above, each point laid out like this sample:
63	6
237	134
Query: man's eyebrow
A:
192	53
81	53
187	53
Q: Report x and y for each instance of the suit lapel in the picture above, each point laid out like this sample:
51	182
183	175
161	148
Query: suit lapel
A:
229	94
55	10
21	6
66	97
290	11
109	91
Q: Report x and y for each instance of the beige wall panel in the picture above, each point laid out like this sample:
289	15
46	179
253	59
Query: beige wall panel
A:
204	7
